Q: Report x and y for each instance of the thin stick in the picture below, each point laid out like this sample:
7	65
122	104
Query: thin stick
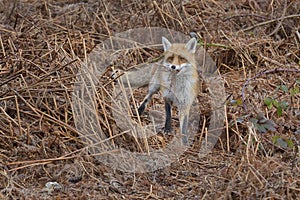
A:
227	129
18	114
268	22
280	19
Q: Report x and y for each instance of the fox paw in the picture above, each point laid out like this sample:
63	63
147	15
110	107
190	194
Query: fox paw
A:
167	130
116	73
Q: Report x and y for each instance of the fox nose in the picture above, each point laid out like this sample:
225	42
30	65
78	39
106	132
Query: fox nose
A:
173	67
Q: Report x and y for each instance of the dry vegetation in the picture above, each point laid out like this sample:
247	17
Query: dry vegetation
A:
40	43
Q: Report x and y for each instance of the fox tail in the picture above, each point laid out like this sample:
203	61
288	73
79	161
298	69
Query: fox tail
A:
137	77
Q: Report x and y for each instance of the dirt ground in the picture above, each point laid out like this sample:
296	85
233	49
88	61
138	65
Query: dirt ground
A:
256	46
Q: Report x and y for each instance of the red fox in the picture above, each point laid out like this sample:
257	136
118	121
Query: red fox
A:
178	80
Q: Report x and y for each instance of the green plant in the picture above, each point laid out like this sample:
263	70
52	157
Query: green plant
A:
262	124
270	102
295	90
235	102
283	143
279	105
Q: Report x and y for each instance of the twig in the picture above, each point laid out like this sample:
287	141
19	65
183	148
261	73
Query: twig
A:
49	117
270	21
214	45
54	71
280	20
298	35
30	163
12	77
244	15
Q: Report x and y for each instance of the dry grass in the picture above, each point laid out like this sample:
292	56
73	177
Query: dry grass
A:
41	44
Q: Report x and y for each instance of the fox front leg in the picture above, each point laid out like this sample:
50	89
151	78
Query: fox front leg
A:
183	120
152	90
168	106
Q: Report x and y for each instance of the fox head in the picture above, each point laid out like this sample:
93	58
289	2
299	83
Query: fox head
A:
179	56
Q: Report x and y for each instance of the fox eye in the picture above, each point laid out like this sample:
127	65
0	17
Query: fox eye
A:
170	59
182	59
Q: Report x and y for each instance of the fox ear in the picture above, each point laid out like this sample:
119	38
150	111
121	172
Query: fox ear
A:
191	45
166	43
